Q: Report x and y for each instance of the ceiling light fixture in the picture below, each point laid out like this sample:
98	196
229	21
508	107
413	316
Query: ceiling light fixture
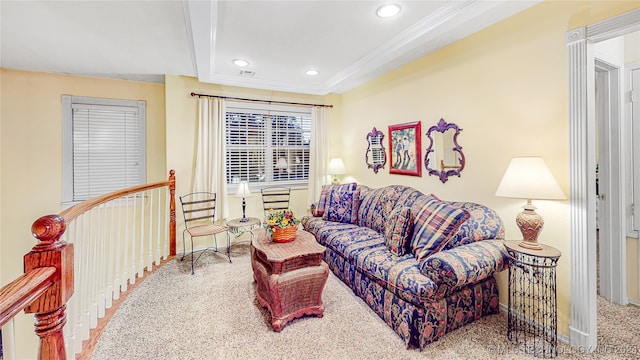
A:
388	10
312	72
240	62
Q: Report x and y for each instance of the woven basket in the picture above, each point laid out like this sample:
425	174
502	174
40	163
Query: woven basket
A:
283	235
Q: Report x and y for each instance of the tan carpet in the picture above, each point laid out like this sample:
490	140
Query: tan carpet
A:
214	315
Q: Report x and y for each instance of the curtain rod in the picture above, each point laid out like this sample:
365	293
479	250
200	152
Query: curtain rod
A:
263	101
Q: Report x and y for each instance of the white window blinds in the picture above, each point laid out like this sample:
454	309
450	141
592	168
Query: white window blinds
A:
106	146
267	145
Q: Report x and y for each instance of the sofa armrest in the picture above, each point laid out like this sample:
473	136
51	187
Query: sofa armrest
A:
466	264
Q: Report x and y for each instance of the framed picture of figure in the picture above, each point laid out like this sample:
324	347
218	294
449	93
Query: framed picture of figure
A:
404	148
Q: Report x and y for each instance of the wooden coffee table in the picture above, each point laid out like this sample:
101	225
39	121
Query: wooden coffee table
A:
289	277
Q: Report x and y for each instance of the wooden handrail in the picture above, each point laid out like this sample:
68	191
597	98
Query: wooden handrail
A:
73	212
21	292
48	280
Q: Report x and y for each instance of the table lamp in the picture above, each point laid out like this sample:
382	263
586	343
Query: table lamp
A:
336	167
529	178
243	192
283	166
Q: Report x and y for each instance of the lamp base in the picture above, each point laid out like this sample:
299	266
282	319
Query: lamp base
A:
244	206
530	224
335	181
531	246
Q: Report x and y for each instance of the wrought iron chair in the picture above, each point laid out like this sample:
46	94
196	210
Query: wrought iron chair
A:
199	210
275	198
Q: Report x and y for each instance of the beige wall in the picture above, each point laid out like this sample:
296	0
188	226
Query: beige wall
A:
182	120
31	159
506	87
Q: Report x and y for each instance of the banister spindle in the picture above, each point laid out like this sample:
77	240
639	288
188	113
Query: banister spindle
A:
49	308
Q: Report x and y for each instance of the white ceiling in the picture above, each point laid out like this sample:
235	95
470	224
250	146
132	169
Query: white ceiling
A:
144	40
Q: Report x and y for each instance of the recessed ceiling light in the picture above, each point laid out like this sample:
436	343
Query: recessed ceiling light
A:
388	10
240	62
312	72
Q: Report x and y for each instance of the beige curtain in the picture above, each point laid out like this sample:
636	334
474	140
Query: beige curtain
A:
210	168
318	156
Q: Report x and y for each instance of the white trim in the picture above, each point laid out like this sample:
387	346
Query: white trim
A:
68	102
388	51
633	147
583	325
67	150
583	321
201	18
612	239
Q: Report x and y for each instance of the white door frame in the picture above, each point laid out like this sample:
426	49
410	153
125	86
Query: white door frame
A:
612	240
582	143
633	112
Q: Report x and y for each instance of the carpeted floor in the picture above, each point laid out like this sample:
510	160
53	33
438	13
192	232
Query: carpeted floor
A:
214	315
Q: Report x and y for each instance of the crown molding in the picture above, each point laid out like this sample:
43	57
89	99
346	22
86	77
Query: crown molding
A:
451	22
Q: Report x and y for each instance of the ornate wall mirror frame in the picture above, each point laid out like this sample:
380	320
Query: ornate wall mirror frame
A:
444	156
376	156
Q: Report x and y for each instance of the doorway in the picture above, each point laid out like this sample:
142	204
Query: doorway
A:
610	183
582	129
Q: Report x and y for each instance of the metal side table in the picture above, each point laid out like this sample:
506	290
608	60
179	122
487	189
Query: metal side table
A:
238	227
532	322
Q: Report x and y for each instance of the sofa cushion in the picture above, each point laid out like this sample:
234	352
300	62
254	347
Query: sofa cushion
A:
350	241
435	223
343	203
377	204
322	203
322	229
400	275
365	248
337	202
398	230
452	269
483	223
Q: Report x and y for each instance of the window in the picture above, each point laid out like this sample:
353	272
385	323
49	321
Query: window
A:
267	145
104	147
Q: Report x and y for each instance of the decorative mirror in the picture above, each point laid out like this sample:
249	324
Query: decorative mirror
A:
444	156
375	157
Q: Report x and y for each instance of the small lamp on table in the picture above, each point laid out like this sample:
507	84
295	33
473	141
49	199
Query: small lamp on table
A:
243	192
529	178
336	167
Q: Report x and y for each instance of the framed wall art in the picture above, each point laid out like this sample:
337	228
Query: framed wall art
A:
404	149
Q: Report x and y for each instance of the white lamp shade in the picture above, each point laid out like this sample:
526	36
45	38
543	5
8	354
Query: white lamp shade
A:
282	163
529	178
243	190
336	167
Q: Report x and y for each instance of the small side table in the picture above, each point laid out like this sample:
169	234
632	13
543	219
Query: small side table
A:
237	227
532	322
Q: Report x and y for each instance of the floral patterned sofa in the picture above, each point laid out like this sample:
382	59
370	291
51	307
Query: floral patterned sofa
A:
425	266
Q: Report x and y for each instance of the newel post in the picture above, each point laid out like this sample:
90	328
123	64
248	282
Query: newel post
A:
49	308
172	212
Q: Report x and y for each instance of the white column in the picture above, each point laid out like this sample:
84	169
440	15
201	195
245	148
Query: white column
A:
583	325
